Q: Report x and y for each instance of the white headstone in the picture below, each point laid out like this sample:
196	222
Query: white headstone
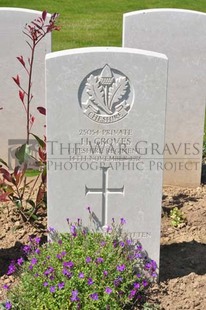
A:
180	34
13	44
101	104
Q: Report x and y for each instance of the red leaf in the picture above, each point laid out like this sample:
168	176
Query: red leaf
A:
44	14
42	154
4	197
18	173
42	110
21	60
21	95
6	175
32	119
40	195
16	80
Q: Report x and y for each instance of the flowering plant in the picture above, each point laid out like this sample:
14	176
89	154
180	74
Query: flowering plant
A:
83	269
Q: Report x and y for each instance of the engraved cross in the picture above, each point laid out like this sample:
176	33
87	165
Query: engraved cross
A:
104	191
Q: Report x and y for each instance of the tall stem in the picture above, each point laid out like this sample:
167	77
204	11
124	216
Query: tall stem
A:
29	92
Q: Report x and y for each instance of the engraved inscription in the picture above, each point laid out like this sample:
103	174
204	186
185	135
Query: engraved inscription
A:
104	191
105	95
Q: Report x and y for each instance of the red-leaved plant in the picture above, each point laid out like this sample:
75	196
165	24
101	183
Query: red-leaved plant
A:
28	194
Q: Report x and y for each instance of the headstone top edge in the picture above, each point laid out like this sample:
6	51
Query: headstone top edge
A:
21	10
89	50
165	10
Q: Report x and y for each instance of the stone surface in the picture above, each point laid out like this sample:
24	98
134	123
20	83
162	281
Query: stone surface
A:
13	44
180	34
105	106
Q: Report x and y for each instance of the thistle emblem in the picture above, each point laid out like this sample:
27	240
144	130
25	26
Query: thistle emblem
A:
107	96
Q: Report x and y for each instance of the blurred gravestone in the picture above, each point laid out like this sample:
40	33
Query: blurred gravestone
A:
13	44
180	34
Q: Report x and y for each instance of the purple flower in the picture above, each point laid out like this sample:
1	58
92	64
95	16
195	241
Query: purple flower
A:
132	294
138	255
59	256
145	283
105	272
37	251
151	265
136	286
129	241
122	221
154	274
52	289
52	230
117	281
94	296
74	296
121	244
99	260
67	273
73	231
34	261
8	305
108	290
63	253
139	247
90	281
27	249
88	259
60	242
121	267
30	267
45	284
67	220
12	269
81	275
109	229
37	240
69	264
89	209
48	271
36	275
61	285
20	261
5	287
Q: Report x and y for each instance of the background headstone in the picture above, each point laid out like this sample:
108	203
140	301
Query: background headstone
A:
105	107
180	34
13	44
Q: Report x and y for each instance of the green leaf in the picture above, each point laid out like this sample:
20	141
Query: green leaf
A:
32	173
40	141
35	217
4	163
23	153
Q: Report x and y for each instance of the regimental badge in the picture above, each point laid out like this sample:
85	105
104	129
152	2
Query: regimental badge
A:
106	97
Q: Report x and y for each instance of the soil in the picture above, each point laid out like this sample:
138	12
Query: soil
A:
182	283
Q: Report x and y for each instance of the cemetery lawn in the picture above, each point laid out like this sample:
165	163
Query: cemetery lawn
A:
95	23
183	249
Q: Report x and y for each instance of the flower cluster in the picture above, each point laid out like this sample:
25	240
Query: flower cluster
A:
83	270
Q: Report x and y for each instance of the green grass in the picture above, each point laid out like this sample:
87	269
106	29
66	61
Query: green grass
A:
96	22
